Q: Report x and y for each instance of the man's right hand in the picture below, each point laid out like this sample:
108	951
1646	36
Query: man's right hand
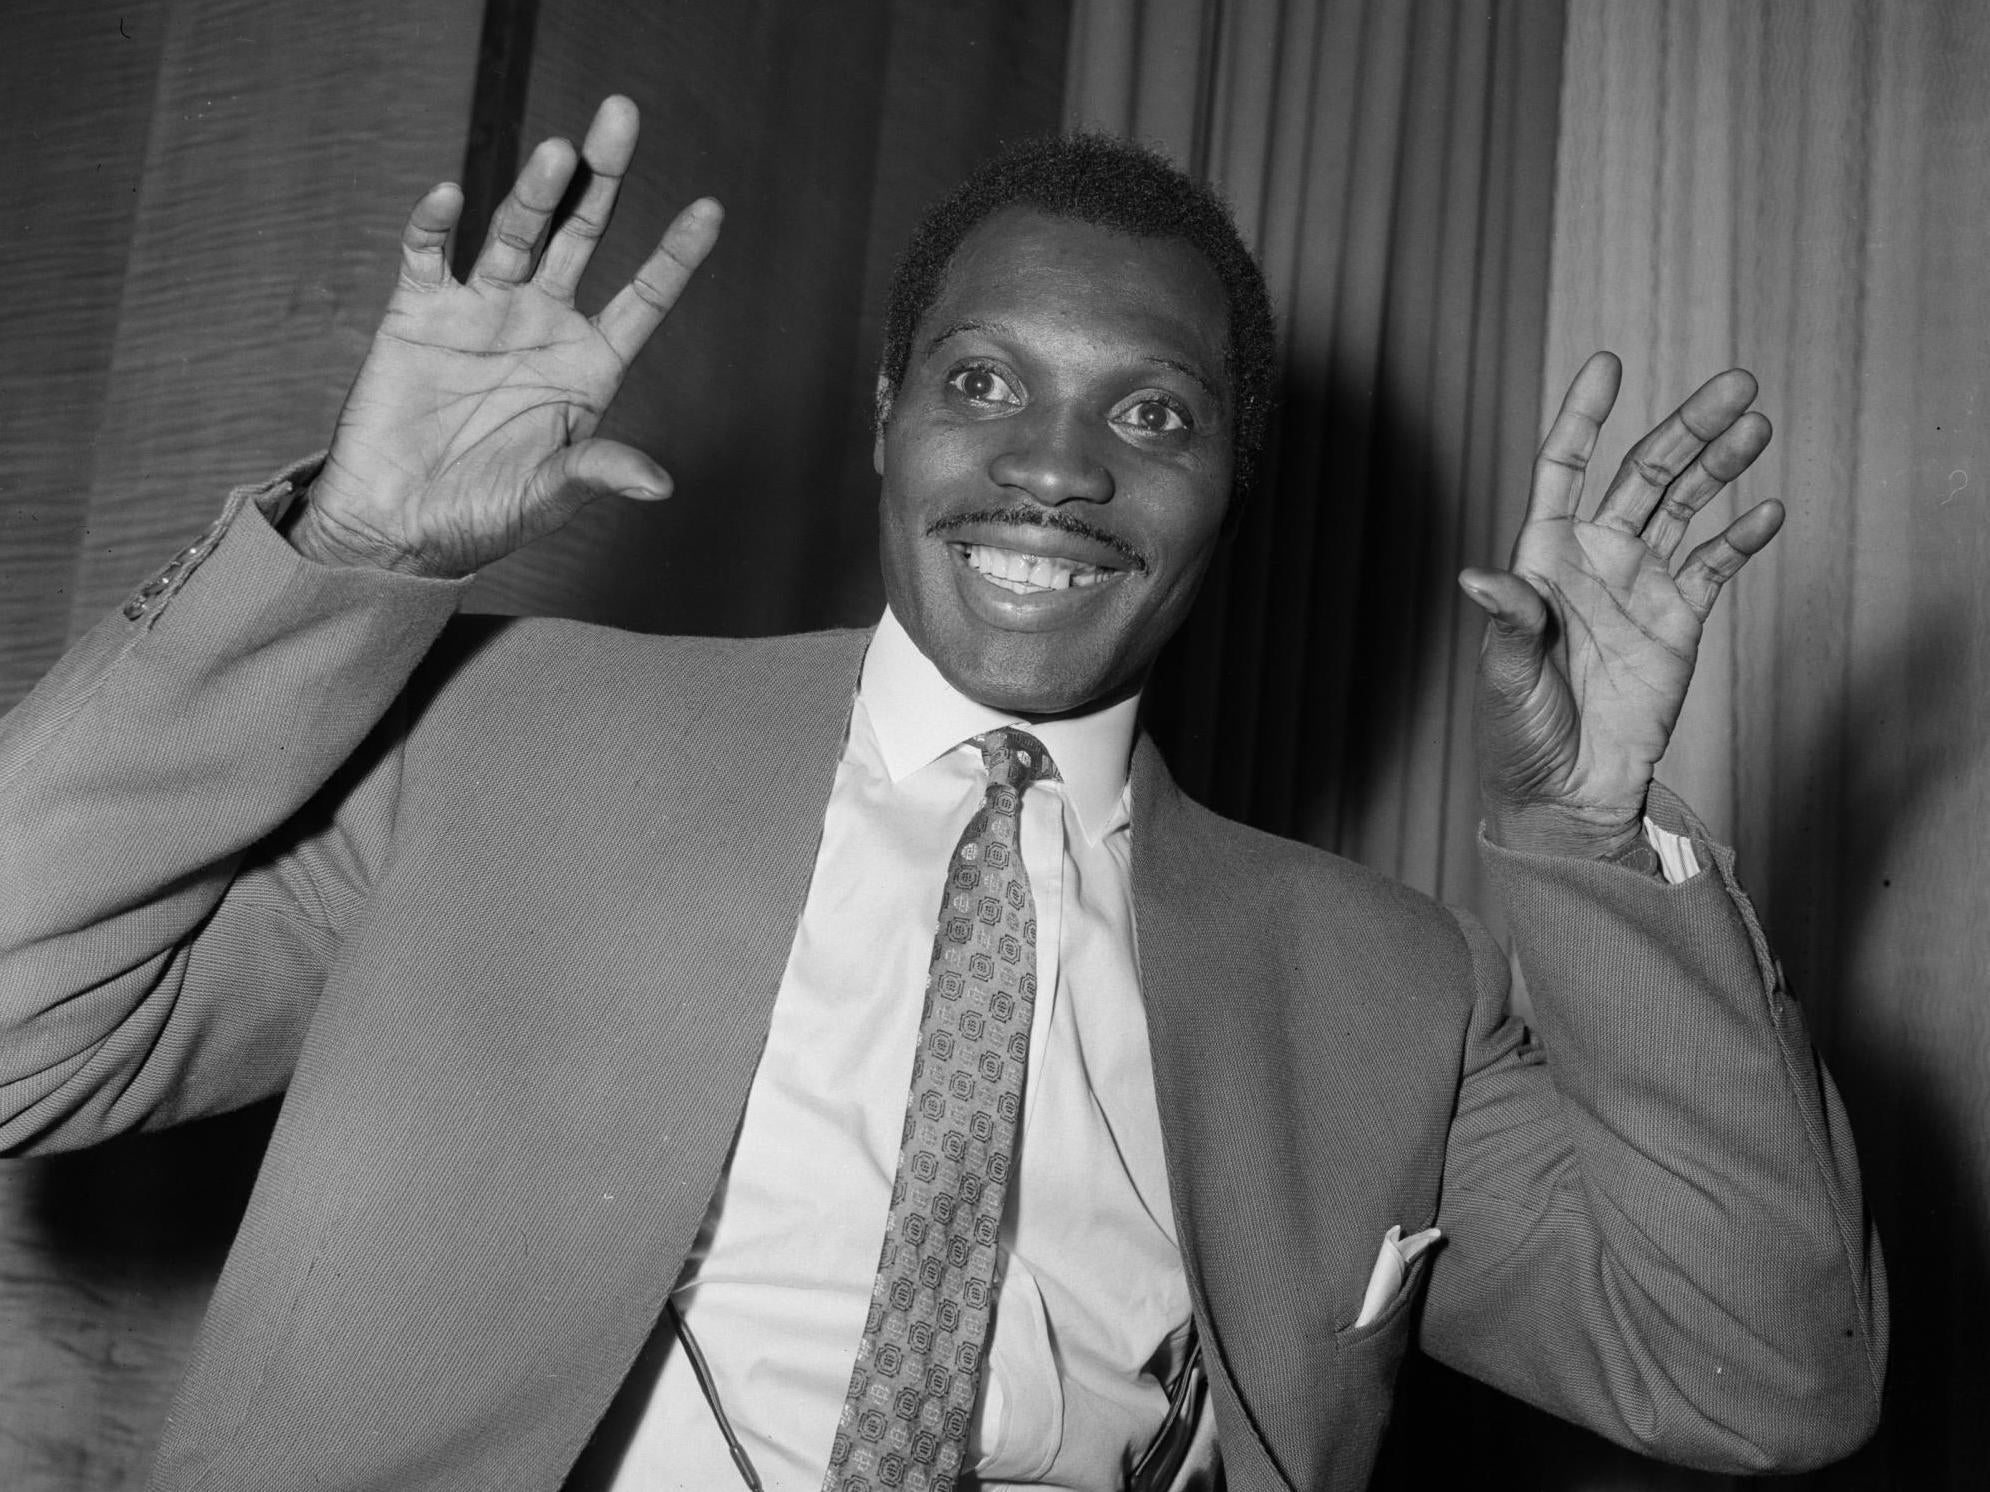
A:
468	431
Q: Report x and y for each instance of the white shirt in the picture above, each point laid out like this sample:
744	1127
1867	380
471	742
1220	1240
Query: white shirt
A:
1092	1304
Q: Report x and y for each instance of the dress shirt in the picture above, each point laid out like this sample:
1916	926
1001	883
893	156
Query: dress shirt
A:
1092	1309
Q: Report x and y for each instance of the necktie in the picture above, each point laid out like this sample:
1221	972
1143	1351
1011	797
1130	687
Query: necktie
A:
905	1419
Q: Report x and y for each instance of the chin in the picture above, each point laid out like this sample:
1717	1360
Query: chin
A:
1038	674
1023	687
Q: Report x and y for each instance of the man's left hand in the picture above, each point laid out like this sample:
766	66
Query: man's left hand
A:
1593	633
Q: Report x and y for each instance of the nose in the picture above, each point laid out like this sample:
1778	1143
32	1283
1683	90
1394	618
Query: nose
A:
1048	455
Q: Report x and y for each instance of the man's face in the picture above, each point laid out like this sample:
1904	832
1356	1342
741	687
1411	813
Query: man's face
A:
1056	463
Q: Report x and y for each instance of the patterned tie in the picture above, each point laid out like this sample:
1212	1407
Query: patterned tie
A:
905	1418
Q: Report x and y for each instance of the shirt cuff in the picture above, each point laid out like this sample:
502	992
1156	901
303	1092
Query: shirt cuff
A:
1675	854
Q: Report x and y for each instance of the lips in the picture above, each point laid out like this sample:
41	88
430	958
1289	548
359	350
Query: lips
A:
1030	571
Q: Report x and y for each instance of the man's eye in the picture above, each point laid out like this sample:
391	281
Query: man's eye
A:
1154	417
983	386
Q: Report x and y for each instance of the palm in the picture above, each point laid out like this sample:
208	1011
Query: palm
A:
468	431
462	396
1623	648
1595	635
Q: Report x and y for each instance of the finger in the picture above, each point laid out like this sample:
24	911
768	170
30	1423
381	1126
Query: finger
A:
1720	559
639	309
1516	641
520	220
425	238
1726	457
1571	441
610	143
1656	461
578	474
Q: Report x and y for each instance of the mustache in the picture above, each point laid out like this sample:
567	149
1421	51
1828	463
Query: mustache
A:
1063	522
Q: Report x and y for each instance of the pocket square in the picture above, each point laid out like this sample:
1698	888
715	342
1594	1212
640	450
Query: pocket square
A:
1391	1265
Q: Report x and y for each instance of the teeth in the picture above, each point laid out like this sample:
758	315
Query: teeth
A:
1024	573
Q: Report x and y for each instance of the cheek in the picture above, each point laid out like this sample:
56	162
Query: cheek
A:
1186	533
924	471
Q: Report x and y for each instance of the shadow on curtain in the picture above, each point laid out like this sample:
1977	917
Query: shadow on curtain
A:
1393	165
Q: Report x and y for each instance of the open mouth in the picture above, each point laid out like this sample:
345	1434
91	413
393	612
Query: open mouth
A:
1014	570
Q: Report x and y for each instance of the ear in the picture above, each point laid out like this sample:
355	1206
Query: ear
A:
880	413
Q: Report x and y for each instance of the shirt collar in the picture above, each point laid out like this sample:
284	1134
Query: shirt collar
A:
919	717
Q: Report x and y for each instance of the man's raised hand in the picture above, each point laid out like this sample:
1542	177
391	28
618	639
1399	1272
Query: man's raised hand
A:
1593	634
469	429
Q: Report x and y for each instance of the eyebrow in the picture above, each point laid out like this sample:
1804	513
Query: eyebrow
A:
994	328
1190	370
956	328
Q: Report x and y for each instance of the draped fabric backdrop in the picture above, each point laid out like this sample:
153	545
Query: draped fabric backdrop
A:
1454	203
1393	165
1800	189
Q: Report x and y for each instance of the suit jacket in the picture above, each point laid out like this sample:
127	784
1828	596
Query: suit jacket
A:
505	914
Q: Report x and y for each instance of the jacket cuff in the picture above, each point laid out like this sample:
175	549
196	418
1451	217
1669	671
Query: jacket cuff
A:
244	561
1557	885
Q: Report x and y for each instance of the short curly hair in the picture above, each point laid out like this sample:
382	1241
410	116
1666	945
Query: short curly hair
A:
1122	186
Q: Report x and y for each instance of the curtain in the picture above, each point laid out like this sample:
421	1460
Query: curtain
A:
1799	189
202	203
1392	165
1795	188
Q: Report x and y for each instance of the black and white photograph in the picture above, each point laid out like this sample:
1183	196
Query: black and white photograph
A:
936	746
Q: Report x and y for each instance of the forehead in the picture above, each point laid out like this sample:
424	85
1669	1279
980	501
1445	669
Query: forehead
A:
1023	266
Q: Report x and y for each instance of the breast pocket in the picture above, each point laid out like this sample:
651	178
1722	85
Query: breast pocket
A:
1374	1350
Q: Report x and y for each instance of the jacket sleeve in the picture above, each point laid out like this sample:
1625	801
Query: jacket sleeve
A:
1652	1214
191	807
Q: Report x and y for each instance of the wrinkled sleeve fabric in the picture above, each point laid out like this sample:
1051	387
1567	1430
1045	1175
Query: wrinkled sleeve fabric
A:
192	805
1651	1206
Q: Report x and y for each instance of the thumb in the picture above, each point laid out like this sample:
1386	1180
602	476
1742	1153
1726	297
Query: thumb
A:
577	474
1516	644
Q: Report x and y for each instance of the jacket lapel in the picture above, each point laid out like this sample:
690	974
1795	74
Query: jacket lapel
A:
1306	1018
1179	933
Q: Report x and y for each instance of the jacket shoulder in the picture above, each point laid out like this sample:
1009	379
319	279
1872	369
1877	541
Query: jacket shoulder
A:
552	655
522	700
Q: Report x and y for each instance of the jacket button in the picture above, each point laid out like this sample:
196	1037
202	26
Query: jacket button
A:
154	586
134	609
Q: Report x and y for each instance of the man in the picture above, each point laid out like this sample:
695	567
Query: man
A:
603	972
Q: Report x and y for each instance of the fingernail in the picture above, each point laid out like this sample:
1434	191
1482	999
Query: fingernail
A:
1480	599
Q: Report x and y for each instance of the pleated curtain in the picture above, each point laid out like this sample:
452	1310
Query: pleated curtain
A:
1801	189
1458	203
1393	166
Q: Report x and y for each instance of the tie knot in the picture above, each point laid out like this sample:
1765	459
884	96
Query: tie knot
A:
1014	758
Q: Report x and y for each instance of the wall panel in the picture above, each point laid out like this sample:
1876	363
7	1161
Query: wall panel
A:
200	203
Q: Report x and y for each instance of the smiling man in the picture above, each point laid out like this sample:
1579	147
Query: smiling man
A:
1055	436
847	1061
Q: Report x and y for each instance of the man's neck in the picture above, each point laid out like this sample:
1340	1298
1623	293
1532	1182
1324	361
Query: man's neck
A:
918	716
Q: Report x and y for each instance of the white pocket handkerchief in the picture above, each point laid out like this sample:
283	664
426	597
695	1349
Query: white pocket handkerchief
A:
1391	1265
